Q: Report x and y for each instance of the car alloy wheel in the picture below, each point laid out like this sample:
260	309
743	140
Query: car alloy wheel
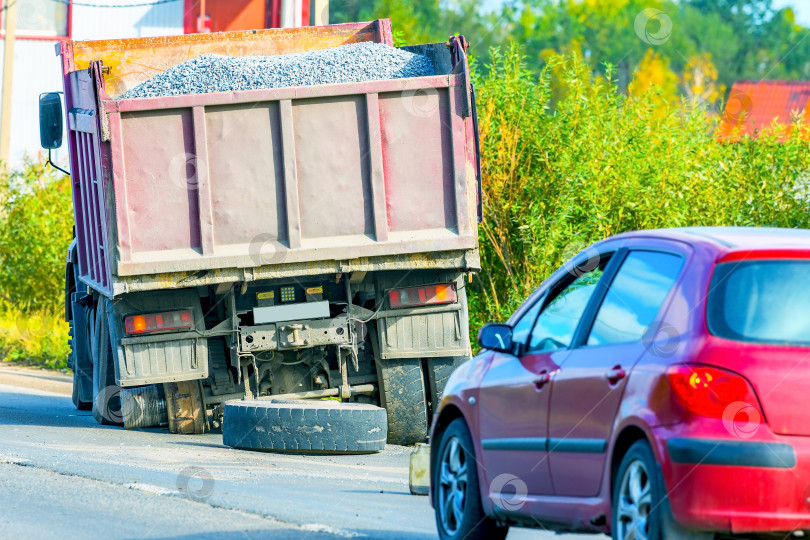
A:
635	503
453	471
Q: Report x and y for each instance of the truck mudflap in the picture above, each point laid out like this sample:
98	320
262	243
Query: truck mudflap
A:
425	332
163	357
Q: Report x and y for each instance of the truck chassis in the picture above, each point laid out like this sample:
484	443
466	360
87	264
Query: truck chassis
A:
353	354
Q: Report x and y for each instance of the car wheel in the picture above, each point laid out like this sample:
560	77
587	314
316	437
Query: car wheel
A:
456	491
640	504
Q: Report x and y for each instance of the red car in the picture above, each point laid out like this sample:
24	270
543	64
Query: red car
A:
656	387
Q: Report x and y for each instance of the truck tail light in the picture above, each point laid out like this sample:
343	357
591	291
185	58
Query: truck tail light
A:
443	293
159	322
710	391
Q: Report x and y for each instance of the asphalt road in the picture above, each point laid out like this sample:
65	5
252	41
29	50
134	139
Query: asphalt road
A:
62	475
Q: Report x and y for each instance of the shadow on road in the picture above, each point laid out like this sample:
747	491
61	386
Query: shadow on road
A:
372	491
297	534
192	443
32	410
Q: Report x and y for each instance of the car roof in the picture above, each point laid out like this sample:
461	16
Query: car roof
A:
719	240
733	238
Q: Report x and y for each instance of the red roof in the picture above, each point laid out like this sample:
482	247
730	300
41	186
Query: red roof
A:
753	106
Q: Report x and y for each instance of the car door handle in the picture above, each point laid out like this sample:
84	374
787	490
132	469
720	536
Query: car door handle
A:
615	374
542	380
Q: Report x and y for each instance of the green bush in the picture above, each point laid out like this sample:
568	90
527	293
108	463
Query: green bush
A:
36	219
35	337
559	176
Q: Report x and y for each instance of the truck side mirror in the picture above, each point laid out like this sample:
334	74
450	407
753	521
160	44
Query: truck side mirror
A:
50	120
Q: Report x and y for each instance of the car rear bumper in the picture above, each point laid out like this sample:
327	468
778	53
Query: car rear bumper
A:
736	485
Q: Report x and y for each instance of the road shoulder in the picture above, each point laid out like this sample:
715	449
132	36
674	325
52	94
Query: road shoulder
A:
38	379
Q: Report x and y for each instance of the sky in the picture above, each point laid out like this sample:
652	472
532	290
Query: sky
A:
800	7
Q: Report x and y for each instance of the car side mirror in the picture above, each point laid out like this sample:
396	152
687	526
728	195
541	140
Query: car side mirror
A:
497	337
50	120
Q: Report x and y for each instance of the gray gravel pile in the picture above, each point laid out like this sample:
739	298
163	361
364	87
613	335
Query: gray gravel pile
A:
355	62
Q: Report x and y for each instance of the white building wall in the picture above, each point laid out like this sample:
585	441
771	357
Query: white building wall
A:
37	69
130	22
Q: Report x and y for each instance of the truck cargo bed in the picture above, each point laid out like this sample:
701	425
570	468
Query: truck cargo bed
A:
238	185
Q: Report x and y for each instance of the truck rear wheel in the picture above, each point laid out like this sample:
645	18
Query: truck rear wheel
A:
106	394
287	425
439	371
185	407
79	360
402	394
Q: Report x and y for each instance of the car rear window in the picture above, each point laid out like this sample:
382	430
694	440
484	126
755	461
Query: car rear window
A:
763	301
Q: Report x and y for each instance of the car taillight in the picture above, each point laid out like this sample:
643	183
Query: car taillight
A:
444	293
710	391
159	322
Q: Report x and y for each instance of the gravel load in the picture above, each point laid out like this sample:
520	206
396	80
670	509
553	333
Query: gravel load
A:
354	62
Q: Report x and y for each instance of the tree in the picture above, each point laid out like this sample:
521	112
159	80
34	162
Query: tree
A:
745	39
699	81
653	73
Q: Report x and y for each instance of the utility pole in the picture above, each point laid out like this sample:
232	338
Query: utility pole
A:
321	17
8	77
290	13
294	13
202	20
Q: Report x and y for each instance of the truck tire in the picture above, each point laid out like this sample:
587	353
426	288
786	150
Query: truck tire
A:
106	394
185	407
80	361
439	370
144	407
402	394
285	425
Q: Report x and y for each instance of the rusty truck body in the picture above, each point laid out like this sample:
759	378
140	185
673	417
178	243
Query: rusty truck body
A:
306	242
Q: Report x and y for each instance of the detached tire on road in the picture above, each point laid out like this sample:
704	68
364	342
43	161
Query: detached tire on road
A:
301	426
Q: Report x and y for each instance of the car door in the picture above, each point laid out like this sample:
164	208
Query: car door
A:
514	394
588	388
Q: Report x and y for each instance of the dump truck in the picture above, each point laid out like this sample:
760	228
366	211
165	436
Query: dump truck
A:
299	242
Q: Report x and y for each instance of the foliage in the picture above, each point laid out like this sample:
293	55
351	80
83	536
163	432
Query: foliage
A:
653	71
601	163
745	39
36	218
700	86
33	337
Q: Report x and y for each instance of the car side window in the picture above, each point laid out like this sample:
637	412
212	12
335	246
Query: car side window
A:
522	328
558	321
635	297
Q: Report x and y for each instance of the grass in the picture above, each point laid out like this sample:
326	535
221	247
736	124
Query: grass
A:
34	338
